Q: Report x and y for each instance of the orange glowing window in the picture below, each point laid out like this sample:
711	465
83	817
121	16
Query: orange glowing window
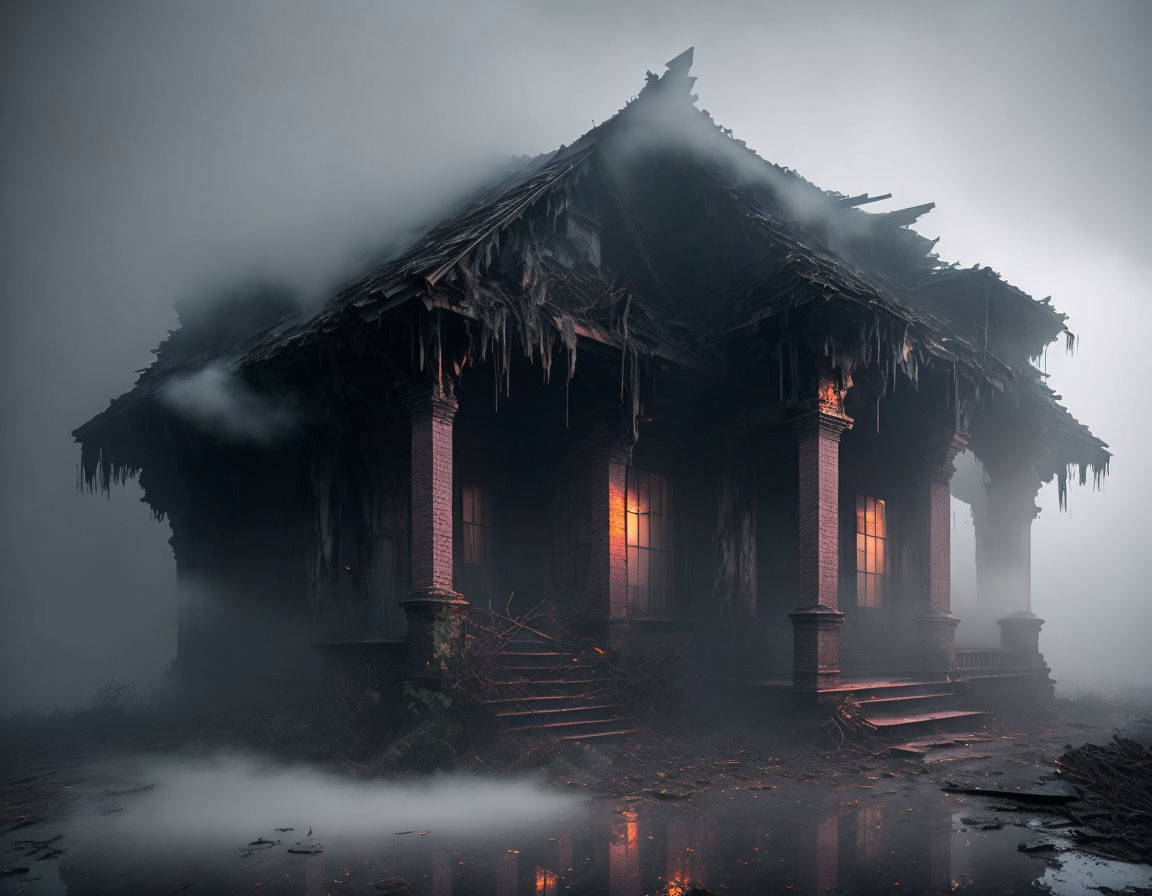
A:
547	881
871	551
649	529
475	525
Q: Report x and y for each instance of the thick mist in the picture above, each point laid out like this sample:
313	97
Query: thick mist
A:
232	798
158	152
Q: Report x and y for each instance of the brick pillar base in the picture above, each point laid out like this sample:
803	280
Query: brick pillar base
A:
435	634
936	639
816	647
1020	637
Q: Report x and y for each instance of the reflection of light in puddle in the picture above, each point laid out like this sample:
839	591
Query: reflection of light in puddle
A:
229	823
1079	873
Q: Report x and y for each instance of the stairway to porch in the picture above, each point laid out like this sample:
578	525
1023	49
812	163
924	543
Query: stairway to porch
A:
553	688
909	707
894	706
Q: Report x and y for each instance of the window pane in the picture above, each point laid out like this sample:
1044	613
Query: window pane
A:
880	523
633	528
644	534
880	565
633	566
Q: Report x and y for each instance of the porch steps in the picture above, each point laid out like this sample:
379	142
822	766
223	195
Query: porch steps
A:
908	708
897	704
555	689
937	748
892	705
935	721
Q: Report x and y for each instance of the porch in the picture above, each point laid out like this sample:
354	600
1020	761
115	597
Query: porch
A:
793	548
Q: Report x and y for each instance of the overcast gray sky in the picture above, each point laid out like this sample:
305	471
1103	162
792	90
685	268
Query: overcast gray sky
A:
153	150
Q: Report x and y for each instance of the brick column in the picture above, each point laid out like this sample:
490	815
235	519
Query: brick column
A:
936	626
1004	560
434	609
816	621
609	575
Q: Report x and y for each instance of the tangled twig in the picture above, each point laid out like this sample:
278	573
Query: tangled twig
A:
1114	782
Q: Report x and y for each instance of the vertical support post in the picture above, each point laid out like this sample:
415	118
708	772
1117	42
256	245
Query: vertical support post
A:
816	621
435	611
609	577
936	626
1004	559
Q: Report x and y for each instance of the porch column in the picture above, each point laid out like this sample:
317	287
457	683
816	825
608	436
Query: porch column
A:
434	609
936	626
816	622
609	461
1004	560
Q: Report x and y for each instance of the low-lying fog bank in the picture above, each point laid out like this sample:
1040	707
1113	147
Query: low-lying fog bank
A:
238	797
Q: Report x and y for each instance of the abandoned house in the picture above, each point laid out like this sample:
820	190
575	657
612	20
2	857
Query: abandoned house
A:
672	390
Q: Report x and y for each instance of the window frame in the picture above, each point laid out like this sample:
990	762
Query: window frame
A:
476	535
650	542
873	565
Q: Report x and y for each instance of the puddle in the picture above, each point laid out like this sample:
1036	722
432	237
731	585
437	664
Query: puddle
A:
232	825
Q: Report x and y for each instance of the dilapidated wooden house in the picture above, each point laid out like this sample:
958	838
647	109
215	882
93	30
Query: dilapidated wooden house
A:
668	387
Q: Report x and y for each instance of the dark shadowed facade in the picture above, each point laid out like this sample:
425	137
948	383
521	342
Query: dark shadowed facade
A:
672	389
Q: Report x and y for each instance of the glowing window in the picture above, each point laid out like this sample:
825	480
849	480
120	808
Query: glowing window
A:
649	525
476	525
871	551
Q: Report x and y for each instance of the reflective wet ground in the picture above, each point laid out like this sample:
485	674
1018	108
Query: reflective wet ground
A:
234	825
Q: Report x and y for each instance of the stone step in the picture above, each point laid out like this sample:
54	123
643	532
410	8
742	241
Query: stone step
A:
906	703
556	713
584	698
538	658
873	690
922	747
943	720
537	673
548	684
600	736
578	726
523	644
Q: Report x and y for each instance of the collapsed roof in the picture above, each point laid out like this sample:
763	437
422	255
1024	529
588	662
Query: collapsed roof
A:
659	233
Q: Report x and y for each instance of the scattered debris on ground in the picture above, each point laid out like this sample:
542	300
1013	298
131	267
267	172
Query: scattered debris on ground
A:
1114	781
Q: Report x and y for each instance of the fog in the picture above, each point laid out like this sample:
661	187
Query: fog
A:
214	400
232	799
157	152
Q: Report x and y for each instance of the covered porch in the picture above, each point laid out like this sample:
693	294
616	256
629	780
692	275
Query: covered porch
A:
799	546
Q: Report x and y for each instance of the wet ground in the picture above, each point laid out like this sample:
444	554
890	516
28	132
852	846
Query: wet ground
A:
853	821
